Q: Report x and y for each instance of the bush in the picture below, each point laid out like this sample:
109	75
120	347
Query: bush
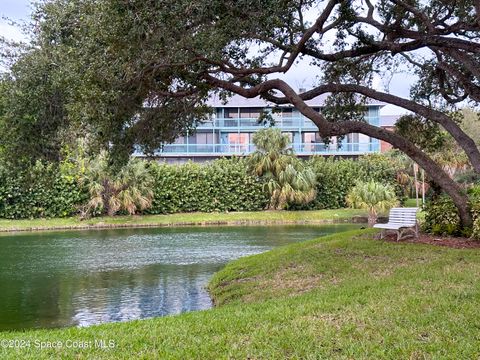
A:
43	191
441	216
373	197
336	177
476	221
222	185
49	191
474	193
382	169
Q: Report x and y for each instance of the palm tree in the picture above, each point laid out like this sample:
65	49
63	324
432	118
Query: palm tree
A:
373	197
130	189
287	179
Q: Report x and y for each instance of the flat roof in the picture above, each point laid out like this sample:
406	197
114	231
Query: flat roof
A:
240	101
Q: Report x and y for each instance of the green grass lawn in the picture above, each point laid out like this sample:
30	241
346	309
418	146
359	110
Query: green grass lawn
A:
413	203
344	296
185	218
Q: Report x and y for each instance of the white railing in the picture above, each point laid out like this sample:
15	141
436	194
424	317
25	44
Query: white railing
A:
242	149
242	123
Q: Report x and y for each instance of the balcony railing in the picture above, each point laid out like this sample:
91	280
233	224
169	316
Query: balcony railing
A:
243	149
298	122
242	123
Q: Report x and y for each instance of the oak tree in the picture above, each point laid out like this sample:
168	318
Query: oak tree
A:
138	72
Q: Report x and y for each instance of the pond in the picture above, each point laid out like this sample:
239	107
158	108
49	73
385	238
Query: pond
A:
80	278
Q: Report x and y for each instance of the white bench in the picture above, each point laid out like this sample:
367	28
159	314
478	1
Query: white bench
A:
401	220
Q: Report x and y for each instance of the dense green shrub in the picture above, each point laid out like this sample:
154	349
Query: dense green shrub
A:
336	177
441	216
372	196
382	169
221	185
49	191
42	191
476	220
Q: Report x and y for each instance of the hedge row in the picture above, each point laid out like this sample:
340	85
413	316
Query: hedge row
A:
337	176
43	191
221	185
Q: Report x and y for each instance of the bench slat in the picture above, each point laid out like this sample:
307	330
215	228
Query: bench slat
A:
400	218
391	226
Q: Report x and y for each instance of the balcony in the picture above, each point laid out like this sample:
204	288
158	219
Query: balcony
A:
249	123
172	150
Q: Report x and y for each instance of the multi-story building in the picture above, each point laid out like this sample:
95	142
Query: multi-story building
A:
230	130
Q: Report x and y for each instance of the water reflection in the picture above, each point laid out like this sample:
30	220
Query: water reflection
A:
57	279
154	290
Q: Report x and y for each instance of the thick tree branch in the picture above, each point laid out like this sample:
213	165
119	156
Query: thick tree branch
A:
448	124
327	129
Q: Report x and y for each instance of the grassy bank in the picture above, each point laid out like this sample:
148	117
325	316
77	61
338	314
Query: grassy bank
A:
342	296
254	217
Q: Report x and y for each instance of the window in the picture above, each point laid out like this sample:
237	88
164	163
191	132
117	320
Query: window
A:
245	113
308	138
352	138
252	113
242	138
238	143
255	112
312	141
231	113
205	138
352	142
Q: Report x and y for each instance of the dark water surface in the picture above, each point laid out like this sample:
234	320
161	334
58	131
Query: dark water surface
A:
57	279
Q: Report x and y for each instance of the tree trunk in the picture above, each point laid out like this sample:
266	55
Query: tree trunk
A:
327	129
372	218
437	174
462	139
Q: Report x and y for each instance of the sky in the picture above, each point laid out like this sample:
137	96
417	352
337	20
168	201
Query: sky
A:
16	10
298	77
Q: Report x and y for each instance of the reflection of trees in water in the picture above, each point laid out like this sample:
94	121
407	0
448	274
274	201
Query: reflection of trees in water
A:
42	300
155	290
81	278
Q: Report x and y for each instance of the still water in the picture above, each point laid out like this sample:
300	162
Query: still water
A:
79	278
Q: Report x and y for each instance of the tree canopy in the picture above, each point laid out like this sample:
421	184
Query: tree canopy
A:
138	73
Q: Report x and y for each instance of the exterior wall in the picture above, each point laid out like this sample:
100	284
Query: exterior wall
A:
384	146
229	133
